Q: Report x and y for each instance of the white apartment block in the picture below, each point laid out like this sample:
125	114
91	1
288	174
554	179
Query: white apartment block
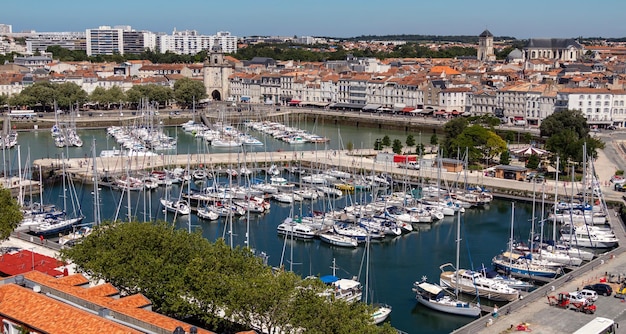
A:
105	40
68	40
190	42
601	107
454	99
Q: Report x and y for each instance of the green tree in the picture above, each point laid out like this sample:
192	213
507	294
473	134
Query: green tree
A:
528	137
386	141
40	92
567	133
172	267
349	146
10	213
186	90
532	162
481	143
434	140
69	94
573	120
378	144
410	141
509	136
397	146
505	157
419	149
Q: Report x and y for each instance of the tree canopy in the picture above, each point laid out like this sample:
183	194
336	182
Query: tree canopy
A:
480	142
10	213
567	133
187	90
185	275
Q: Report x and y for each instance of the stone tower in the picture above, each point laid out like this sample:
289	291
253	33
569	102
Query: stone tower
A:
216	73
485	47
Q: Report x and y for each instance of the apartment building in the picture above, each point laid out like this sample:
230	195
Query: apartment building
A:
39	42
527	103
601	107
190	42
105	40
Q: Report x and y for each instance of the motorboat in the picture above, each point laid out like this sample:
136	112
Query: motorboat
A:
291	228
75	236
587	237
207	212
435	297
349	290
338	240
180	207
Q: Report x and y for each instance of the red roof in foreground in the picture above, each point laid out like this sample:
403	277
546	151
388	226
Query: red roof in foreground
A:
16	263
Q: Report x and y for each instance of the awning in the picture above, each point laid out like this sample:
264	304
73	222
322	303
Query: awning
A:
454	112
294	101
315	104
347	106
371	106
440	112
245	98
519	118
408	109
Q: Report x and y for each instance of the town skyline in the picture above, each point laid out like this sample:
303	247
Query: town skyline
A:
533	19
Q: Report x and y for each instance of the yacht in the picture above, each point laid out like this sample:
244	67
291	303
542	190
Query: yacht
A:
475	283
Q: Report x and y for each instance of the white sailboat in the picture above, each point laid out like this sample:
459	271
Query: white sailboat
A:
437	298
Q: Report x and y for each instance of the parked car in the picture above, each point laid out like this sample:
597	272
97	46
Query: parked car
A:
600	288
583	295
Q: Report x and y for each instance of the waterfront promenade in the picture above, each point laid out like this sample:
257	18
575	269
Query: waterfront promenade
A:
352	161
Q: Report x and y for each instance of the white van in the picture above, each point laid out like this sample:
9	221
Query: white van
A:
519	122
410	165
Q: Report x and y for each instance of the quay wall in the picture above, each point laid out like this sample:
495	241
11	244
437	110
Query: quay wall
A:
362	164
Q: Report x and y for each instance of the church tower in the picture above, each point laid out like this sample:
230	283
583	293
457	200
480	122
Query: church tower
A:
485	47
216	73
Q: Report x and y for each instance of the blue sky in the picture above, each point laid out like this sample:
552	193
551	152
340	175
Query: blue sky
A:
338	18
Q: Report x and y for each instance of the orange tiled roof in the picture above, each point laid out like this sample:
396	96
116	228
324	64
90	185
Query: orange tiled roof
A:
47	315
130	306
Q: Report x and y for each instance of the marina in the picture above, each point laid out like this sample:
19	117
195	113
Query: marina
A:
399	261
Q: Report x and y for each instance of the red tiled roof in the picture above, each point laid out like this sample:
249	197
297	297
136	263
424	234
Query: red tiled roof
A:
24	261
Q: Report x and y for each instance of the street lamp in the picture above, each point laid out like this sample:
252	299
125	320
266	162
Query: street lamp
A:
32	255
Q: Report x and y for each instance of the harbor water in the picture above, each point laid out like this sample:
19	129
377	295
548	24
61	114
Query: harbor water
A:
395	263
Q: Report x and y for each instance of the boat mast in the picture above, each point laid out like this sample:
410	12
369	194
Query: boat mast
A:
458	254
556	199
96	192
19	174
532	221
511	236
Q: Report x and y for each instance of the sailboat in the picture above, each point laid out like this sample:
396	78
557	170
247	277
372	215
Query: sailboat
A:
437	298
54	225
381	311
521	265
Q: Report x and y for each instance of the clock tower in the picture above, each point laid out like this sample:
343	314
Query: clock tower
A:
216	73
